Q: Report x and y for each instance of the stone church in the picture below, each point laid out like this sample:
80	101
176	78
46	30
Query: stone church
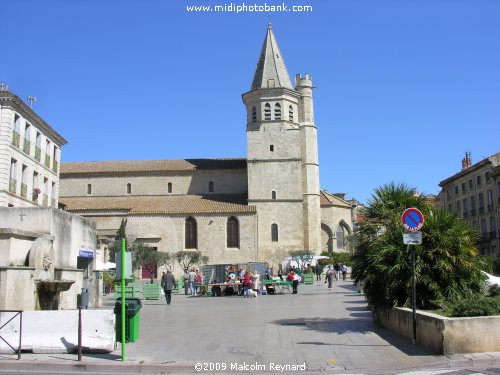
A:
257	208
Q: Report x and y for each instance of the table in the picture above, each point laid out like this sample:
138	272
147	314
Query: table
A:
225	285
280	286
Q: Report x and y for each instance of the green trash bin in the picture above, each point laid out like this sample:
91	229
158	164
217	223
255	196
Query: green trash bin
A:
132	319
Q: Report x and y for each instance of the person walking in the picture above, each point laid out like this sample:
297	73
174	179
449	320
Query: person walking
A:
318	272
344	272
192	281
330	275
168	283
294	278
336	267
186	282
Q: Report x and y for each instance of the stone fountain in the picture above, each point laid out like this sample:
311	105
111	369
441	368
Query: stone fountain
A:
42	256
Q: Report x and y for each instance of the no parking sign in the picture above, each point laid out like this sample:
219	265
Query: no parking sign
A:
412	219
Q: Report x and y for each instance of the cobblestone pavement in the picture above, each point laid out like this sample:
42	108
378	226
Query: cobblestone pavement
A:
329	332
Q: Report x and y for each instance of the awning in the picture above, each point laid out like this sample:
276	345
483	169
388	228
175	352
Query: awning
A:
100	266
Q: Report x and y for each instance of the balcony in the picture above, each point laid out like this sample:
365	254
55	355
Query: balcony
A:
38	154
45	201
55	166
24	190
15	139
47	161
12	185
27	146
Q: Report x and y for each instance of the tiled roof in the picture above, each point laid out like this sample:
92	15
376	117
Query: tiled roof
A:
127	166
329	200
163	204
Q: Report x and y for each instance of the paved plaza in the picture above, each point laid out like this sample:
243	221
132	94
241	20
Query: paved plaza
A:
329	332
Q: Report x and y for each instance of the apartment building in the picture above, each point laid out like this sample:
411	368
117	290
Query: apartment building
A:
30	154
474	195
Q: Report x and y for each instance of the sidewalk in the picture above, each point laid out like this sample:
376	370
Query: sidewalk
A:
330	332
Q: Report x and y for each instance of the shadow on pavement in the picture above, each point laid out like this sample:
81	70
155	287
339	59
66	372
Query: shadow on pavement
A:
362	323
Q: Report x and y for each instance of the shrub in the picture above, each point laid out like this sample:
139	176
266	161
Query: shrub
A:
474	306
447	266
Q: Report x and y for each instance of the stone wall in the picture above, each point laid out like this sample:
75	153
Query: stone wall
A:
331	217
17	289
196	182
445	335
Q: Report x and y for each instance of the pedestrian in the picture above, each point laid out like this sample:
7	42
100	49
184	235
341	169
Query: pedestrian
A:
336	267
192	281
344	271
330	274
318	272
294	278
186	281
247	283
256	281
168	283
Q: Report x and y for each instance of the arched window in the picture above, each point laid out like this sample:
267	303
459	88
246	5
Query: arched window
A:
277	111
274	232
233	232
89	189
211	188
191	240
290	113
129	189
169	187
254	115
267	112
273	195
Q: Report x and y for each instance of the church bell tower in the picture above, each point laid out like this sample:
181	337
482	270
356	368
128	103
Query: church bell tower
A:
283	179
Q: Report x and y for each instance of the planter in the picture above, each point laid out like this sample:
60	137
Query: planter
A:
445	335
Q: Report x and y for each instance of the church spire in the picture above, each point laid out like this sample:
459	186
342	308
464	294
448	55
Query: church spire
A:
271	70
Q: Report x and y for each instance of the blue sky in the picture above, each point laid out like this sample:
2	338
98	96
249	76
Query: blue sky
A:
404	88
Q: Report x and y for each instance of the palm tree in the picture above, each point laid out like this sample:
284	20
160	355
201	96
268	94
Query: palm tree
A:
447	267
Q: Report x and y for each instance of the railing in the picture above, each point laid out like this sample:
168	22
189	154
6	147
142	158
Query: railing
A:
55	166
16	313
38	154
27	146
15	138
12	185
45	200
24	190
47	161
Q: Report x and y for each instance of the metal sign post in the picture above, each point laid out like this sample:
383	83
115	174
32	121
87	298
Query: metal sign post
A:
123	261
413	220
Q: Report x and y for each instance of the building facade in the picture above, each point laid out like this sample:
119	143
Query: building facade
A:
474	195
257	208
30	154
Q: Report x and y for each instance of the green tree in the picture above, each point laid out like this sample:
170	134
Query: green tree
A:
447	267
117	245
188	259
146	257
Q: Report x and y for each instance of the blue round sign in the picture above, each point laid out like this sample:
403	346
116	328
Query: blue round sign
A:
412	219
